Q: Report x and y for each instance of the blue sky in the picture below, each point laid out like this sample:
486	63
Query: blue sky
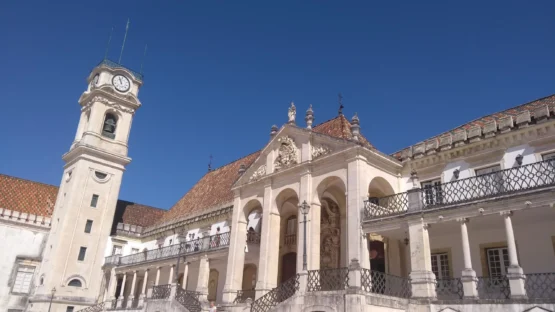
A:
219	74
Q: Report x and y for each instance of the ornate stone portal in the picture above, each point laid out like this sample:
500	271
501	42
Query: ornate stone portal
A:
330	235
287	154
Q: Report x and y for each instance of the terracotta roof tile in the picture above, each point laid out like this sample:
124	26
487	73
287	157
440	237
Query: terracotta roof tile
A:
514	111
212	190
27	196
339	127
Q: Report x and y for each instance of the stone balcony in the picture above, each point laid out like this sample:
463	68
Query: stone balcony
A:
509	182
209	243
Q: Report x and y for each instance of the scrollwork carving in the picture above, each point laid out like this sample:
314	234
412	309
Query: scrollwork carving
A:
259	173
320	150
109	103
287	154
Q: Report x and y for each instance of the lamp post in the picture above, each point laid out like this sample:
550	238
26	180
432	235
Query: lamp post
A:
305	208
51	297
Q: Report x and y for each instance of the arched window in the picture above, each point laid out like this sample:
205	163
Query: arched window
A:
74	283
109	126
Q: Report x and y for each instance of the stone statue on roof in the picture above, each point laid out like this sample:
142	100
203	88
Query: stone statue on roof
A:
292	113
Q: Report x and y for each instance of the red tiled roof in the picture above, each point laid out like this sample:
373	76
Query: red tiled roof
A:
27	196
530	106
37	198
212	190
339	127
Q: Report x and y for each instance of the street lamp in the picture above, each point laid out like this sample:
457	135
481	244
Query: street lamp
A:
305	208
51	297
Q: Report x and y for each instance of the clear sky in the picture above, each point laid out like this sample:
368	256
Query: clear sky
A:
219	74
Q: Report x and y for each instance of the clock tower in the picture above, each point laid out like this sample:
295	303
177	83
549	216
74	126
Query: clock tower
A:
71	274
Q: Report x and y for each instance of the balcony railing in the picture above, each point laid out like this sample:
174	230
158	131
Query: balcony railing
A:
253	238
208	243
504	182
291	240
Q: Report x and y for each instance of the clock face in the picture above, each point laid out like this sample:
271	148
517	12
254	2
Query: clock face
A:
95	80
121	83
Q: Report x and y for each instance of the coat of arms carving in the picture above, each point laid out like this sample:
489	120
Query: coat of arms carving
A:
287	154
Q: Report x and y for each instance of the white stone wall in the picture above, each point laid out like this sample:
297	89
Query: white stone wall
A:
18	241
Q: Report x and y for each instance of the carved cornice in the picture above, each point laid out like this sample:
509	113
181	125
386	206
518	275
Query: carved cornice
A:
107	102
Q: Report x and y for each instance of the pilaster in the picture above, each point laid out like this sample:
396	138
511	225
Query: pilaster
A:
236	254
269	253
203	276
355	202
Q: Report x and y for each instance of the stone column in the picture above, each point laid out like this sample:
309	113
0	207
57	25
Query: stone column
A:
120	299
113	284
132	293
269	252
157	280
170	278
236	254
203	276
314	236
423	280
515	273
468	275
143	289
355	203
185	274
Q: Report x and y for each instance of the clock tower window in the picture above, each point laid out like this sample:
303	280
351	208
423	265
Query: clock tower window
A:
109	127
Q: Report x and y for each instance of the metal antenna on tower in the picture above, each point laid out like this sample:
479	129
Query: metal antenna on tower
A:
108	45
143	61
124	38
210	164
340	99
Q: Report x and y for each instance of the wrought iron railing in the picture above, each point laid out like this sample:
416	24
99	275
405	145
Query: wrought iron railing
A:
95	308
385	284
328	279
284	291
188	299
449	288
504	182
243	295
290	239
493	287
540	285
113	64
202	244
112	260
161	291
253	238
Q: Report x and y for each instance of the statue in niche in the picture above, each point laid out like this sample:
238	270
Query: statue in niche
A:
330	235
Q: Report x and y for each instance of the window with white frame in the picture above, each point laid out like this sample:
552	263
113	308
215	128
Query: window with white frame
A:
432	191
116	250
440	265
486	170
548	156
291	226
498	261
22	283
134	250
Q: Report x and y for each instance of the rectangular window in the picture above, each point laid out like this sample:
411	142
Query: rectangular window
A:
82	252
88	226
134	250
116	250
291	226
498	261
440	265
432	191
22	283
94	200
489	182
487	170
69	309
548	156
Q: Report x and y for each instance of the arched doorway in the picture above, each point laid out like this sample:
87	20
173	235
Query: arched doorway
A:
213	284
288	266
249	281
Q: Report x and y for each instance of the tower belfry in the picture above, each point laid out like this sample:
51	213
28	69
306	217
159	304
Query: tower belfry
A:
71	274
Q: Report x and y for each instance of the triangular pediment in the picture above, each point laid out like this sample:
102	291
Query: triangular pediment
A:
448	309
289	148
537	309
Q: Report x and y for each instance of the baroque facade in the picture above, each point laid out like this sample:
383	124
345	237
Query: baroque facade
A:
317	220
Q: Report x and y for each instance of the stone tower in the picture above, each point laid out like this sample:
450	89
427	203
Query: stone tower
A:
70	274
